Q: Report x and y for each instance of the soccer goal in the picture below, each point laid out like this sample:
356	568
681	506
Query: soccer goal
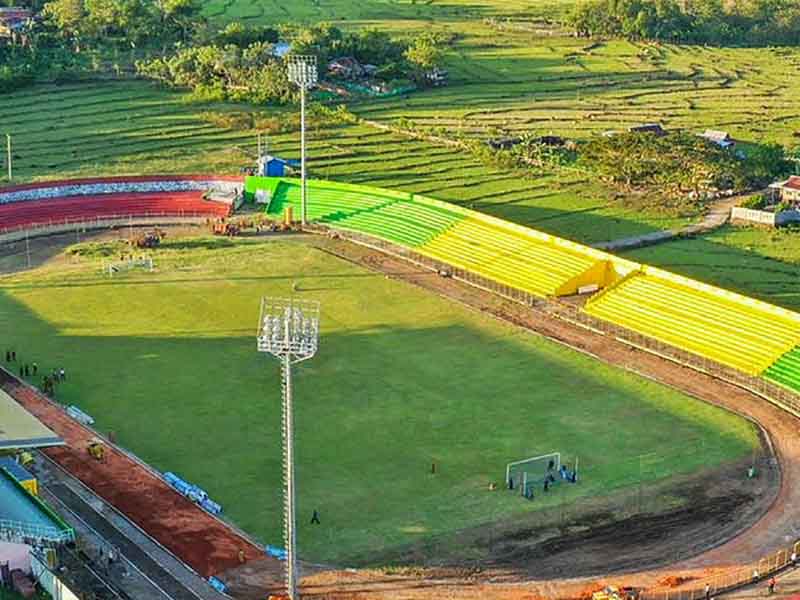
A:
521	474
126	265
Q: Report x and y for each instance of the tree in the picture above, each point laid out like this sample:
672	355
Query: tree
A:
424	55
68	16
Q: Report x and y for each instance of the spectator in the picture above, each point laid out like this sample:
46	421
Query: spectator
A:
771	586
708	592
793	558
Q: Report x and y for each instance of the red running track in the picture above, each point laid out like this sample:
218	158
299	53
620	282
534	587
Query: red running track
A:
28	214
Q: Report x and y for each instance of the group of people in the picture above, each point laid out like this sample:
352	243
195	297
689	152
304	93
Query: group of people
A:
32	370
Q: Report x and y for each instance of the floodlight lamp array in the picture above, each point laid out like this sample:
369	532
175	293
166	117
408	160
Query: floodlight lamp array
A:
302	71
289	328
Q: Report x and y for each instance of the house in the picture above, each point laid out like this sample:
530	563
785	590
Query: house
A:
551	140
273	166
503	143
346	67
654	128
721	138
787	191
14	20
437	77
281	49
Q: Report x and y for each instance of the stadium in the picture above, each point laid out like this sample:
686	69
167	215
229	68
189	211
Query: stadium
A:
492	411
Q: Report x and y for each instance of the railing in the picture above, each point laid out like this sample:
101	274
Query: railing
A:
729	581
52	226
16	531
784	398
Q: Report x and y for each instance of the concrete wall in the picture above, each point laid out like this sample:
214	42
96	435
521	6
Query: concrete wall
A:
50	582
763	217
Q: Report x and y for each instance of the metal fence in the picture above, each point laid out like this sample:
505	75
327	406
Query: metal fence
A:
43	535
754	573
784	398
54	226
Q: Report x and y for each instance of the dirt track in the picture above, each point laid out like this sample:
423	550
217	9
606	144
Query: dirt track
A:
690	545
634	549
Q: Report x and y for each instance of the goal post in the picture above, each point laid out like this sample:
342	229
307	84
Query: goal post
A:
126	265
532	470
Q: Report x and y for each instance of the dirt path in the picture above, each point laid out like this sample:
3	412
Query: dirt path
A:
716	217
699	551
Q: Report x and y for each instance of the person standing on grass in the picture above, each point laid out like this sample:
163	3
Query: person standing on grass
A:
62	374
35	369
315	517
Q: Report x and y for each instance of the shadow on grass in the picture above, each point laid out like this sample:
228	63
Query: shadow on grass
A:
374	408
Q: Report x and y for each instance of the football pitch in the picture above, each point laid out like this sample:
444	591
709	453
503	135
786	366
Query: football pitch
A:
168	362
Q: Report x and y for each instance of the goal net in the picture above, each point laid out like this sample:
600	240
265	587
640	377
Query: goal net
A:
127	265
532	471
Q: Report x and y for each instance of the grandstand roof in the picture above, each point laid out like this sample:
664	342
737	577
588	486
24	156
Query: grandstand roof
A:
20	429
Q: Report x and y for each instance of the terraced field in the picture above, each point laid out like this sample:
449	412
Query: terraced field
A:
134	128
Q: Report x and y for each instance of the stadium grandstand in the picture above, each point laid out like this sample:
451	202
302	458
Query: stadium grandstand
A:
735	331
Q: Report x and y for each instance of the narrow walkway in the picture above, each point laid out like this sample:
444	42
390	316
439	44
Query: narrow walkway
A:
788	584
154	573
715	218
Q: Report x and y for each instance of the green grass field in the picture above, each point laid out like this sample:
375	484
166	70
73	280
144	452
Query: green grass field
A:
168	362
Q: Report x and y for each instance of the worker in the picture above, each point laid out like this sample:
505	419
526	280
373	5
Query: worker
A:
315	517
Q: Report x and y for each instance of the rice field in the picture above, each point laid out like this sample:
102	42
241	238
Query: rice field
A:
136	128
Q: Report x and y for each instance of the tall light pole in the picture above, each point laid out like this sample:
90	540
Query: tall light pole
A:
289	331
8	150
303	73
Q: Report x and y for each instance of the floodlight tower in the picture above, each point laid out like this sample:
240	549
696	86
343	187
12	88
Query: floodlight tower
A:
289	331
303	73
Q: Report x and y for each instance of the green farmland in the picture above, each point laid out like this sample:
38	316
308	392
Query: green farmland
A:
168	361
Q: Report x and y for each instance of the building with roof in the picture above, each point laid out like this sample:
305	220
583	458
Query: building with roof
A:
787	191
20	430
14	19
722	139
654	128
